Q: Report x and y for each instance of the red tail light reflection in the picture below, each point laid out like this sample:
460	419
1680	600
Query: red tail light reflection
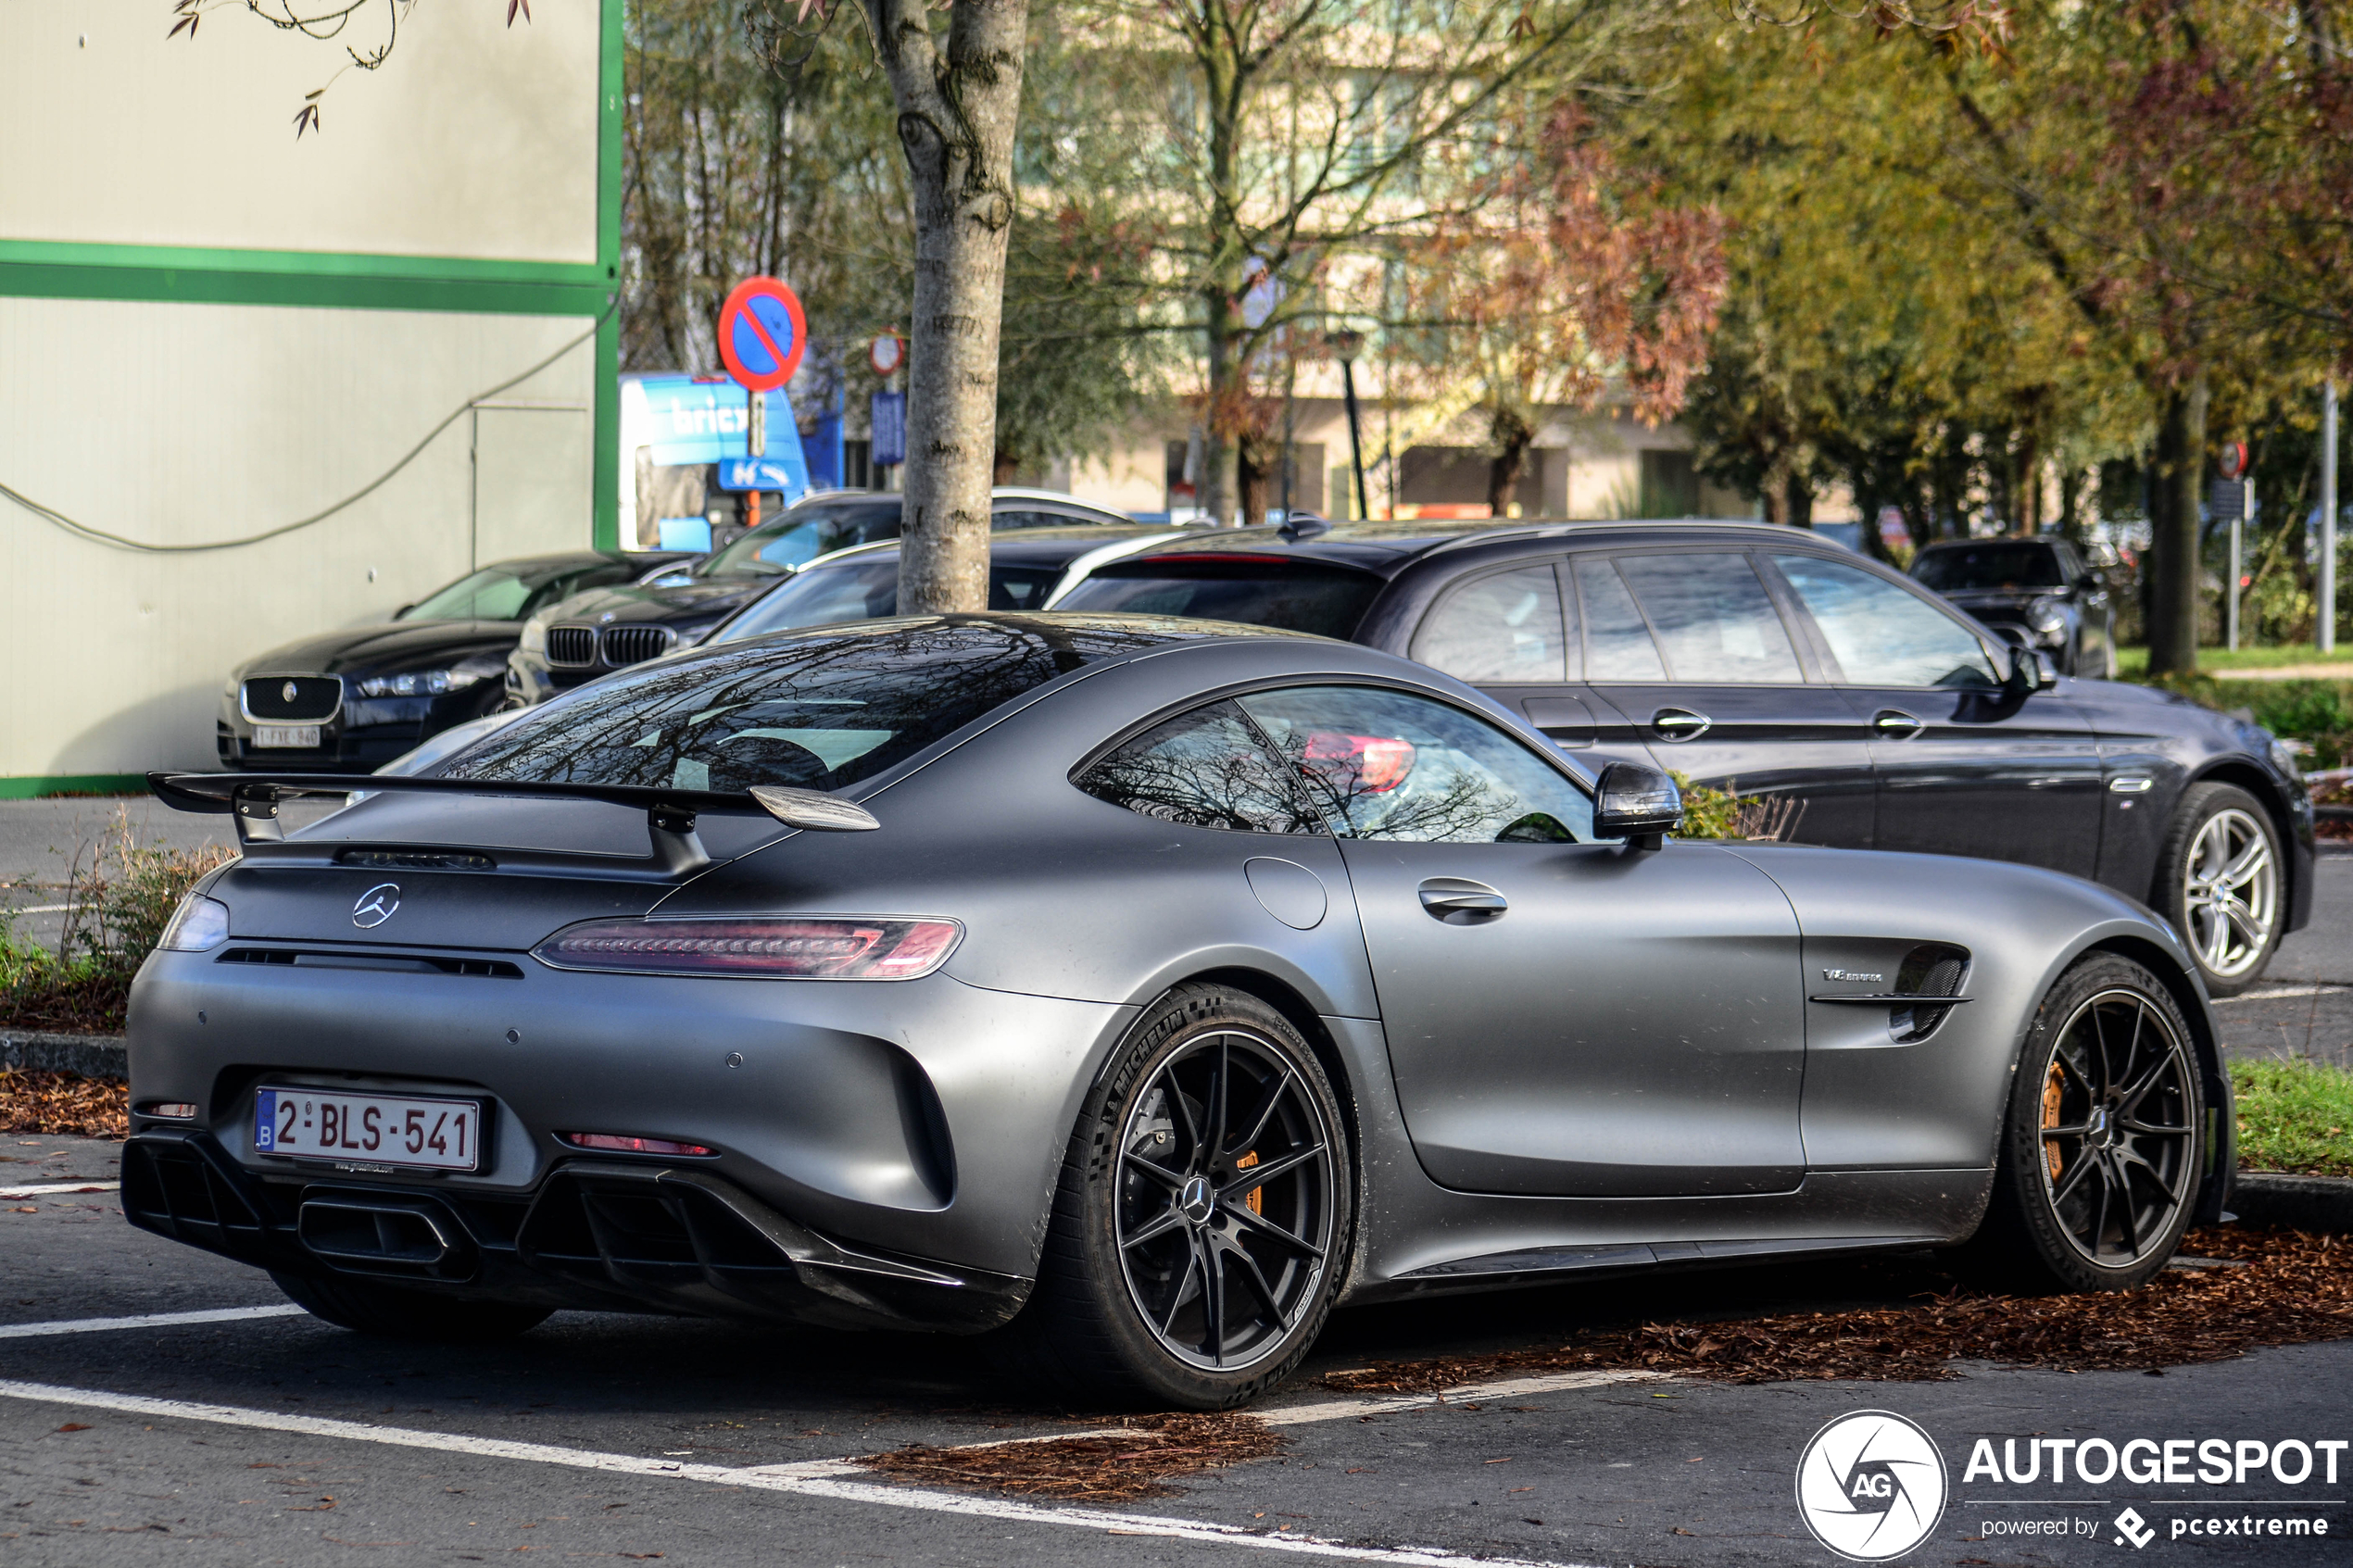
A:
774	949
1373	764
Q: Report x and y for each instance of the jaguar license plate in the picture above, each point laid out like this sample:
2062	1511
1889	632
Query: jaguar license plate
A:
436	1134
301	736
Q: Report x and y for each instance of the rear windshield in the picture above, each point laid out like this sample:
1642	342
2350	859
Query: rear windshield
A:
868	587
818	711
1287	596
803	534
2019	565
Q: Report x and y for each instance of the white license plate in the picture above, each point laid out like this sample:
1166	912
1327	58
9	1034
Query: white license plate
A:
285	734
438	1134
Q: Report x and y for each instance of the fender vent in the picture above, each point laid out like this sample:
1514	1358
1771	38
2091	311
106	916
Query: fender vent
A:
1932	969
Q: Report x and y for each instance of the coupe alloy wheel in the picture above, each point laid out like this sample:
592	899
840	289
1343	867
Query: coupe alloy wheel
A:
2231	893
2117	1129
1224	1200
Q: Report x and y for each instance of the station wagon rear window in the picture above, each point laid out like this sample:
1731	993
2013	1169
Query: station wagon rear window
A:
1288	595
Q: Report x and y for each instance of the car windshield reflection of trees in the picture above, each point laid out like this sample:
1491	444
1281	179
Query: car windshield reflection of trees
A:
814	713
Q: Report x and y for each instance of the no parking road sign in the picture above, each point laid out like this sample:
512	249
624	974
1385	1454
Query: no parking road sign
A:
761	332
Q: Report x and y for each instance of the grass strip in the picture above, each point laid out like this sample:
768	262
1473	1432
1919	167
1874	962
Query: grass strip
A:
2293	1116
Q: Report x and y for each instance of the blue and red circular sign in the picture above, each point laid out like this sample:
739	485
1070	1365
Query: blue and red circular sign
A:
761	332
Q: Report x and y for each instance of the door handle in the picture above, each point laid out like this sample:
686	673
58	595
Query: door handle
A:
1681	723
1897	724
1444	895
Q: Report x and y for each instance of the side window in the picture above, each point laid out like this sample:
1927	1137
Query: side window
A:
1714	620
1503	629
1206	769
1883	635
1386	765
1618	642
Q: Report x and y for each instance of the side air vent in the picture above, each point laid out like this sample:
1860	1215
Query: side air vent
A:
1932	969
414	861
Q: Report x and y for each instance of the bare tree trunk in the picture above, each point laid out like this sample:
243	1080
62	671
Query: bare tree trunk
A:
956	116
1511	436
2173	526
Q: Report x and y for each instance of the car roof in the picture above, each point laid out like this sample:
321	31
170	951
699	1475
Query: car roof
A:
1026	546
573	560
1386	548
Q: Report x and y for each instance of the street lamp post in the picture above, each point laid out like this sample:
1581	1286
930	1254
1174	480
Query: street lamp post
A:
2327	618
1346	346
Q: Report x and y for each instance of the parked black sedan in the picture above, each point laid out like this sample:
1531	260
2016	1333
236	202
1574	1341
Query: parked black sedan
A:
613	628
2039	591
354	699
1763	658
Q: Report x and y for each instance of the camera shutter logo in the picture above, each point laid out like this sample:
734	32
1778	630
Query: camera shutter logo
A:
1870	1486
376	906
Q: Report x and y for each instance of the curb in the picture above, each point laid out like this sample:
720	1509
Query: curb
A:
2304	1203
85	1056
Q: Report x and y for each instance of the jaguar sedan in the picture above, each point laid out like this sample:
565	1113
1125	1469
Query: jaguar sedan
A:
1131	991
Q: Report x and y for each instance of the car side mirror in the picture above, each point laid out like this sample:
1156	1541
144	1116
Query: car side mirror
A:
2031	671
1636	802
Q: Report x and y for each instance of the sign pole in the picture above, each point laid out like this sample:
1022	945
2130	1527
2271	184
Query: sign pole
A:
2327	617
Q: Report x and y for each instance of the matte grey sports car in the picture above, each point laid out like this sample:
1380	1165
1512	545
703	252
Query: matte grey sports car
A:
1136	990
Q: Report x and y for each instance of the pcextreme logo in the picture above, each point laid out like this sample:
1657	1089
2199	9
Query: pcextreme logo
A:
1870	1486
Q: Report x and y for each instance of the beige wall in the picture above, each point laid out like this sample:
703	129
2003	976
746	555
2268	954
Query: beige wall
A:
244	417
469	142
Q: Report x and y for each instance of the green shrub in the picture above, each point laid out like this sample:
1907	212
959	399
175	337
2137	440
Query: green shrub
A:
117	906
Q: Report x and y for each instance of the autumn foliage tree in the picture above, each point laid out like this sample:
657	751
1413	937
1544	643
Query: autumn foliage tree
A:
1568	282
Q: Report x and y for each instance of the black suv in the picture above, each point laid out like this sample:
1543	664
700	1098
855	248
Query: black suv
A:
1766	658
596	633
2038	592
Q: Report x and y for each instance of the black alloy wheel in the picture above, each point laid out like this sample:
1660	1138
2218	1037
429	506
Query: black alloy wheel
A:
2105	1143
1203	1220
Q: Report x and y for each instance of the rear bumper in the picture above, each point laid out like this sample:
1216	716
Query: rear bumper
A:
594	1235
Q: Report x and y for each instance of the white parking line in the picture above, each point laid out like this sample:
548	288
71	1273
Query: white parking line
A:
58	1187
1509	1389
146	1320
2281	993
796	1479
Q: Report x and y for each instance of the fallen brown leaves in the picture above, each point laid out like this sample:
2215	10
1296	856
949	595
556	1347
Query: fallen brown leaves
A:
61	1104
2293	1289
1120	1465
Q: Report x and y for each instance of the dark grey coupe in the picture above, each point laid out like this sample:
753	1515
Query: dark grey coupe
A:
1132	990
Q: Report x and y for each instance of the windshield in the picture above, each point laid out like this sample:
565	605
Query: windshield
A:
498	592
818	711
1287	596
2022	564
866	588
801	535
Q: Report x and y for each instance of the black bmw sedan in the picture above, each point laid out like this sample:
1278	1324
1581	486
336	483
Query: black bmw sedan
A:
1767	660
597	633
354	699
2039	591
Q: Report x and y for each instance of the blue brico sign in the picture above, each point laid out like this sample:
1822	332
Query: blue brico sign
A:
686	420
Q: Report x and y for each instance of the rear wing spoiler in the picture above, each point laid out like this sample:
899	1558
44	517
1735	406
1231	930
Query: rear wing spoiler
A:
251	799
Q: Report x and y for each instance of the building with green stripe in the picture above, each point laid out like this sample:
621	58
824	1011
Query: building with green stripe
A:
400	325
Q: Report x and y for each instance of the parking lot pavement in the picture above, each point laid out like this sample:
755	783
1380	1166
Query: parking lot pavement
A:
2303	1008
276	1437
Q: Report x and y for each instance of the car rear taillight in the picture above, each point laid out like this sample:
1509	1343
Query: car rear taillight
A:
756	949
622	1143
